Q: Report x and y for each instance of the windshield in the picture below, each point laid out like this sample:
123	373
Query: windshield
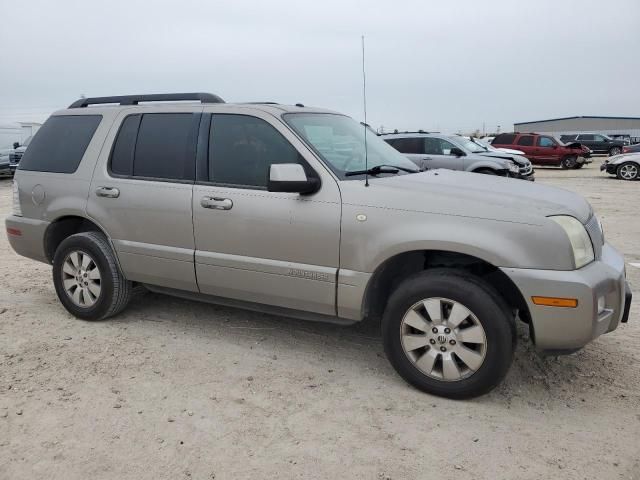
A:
469	145
339	141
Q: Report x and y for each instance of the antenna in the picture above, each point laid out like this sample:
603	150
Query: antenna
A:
364	102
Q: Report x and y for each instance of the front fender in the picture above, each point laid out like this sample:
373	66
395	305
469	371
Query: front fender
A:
387	232
475	165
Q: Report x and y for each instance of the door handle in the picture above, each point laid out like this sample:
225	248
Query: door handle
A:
216	203
107	192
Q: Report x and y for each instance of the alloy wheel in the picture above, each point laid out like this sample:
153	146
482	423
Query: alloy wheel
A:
81	279
629	171
443	339
615	151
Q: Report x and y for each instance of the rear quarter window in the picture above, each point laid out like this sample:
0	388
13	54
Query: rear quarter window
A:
503	139
59	145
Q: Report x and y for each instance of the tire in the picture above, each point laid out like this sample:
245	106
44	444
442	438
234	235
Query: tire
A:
578	166
628	171
569	161
487	309
102	294
615	151
486	171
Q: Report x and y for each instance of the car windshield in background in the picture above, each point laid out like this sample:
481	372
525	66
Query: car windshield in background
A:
470	145
339	140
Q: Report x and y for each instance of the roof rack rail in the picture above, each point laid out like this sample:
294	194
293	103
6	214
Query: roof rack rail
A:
397	132
155	97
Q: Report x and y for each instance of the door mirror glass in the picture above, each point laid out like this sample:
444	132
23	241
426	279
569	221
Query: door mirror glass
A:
457	152
15	145
291	177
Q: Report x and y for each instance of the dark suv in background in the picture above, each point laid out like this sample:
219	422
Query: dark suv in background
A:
596	142
545	149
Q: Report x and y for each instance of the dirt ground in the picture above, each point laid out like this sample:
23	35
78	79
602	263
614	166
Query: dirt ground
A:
173	389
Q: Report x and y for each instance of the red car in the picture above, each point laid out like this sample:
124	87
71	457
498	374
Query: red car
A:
545	149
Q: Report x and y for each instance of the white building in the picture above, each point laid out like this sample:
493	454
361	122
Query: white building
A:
17	132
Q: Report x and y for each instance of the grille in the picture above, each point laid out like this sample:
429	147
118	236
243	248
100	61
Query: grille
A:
526	170
597	239
15	157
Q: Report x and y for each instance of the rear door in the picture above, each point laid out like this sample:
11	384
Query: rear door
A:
141	194
589	140
413	149
273	248
525	143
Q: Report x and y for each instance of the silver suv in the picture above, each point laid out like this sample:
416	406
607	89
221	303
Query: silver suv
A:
288	210
455	152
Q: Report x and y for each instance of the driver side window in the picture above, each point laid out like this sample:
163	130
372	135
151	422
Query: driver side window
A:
545	142
243	148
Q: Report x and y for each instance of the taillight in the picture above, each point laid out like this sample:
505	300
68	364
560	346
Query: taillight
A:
17	211
626	150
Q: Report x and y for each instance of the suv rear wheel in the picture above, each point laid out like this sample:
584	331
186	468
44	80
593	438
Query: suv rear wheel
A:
448	333
87	278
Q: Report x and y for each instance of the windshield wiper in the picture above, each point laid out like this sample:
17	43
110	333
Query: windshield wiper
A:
380	169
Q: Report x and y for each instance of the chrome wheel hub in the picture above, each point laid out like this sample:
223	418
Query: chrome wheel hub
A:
81	279
628	172
443	339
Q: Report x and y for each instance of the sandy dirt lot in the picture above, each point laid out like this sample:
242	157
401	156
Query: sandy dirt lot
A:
173	389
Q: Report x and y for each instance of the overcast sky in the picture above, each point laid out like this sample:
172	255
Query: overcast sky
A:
446	65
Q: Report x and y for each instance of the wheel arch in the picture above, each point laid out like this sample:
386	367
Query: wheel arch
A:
65	226
395	269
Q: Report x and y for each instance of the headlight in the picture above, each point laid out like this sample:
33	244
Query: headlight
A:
579	238
513	168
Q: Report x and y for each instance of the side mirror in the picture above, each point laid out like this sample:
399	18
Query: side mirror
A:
15	145
457	152
291	177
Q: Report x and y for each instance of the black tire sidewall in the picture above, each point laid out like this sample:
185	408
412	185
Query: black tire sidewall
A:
103	303
627	179
566	165
479	299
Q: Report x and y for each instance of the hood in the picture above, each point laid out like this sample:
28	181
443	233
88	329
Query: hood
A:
464	194
624	157
519	159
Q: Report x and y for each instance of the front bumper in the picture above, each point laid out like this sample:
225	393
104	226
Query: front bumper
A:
564	328
609	167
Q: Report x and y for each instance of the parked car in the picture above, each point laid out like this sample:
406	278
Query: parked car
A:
631	148
454	152
4	164
625	166
545	149
266	214
596	142
16	154
487	145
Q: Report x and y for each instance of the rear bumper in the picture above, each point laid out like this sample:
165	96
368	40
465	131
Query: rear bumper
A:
564	328
26	236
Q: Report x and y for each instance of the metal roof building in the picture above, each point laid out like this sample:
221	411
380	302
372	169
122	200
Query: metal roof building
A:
607	125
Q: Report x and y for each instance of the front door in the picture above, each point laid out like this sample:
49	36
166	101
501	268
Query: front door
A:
264	247
141	195
439	152
525	144
546	150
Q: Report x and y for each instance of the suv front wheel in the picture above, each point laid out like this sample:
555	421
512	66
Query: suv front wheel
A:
448	333
87	278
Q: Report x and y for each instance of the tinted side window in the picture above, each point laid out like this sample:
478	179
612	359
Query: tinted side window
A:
409	145
166	146
545	142
504	139
242	149
60	143
585	137
525	140
124	146
567	138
